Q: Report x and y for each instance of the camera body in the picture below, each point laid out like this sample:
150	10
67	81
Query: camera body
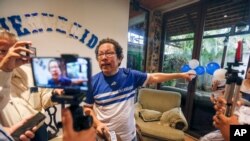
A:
70	73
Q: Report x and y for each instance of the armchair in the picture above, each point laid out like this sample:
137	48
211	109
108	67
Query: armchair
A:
158	114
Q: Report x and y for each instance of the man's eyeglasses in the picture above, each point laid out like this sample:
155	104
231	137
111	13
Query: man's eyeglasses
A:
107	54
3	52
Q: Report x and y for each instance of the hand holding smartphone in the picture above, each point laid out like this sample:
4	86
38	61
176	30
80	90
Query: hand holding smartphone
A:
28	125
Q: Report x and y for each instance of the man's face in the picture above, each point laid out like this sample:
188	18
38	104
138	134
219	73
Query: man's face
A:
107	59
5	44
54	70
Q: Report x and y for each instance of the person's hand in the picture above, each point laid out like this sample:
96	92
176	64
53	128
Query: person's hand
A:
215	85
100	127
102	130
220	105
188	75
214	96
223	123
13	58
29	134
69	134
58	91
220	120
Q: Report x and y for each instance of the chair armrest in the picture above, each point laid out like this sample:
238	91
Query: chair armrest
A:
138	108
175	119
181	122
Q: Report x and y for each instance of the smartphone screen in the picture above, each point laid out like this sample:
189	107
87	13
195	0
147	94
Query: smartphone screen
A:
51	72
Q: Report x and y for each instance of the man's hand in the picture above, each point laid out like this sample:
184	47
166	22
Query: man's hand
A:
188	76
69	134
102	130
13	58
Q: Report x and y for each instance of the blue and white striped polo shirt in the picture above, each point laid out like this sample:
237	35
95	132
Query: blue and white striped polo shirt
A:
113	100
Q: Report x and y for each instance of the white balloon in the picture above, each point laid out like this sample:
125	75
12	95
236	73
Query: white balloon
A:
193	63
220	76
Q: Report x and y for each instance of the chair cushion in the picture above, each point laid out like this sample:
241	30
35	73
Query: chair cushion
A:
150	115
156	99
174	118
156	130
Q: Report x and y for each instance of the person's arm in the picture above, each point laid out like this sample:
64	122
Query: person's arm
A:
4	86
4	81
162	77
43	97
68	132
13	59
100	127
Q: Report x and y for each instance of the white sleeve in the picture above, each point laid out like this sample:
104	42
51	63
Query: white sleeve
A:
5	82
146	81
4	85
244	115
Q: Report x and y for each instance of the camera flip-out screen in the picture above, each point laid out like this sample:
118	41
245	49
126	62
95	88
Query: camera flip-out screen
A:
50	72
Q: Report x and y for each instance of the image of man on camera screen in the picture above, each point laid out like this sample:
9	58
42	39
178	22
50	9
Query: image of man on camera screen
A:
57	73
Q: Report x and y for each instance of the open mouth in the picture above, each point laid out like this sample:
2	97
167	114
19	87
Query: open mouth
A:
106	65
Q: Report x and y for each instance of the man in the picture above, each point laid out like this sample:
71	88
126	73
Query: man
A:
15	96
57	79
56	75
114	90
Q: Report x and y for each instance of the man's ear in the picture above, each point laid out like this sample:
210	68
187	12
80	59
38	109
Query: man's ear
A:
121	57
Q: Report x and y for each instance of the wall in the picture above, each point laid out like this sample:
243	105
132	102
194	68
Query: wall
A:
101	18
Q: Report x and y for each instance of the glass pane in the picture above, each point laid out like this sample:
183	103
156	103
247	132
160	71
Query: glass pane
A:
136	39
176	54
211	52
216	32
184	36
232	45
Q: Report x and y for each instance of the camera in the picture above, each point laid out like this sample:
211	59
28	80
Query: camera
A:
70	73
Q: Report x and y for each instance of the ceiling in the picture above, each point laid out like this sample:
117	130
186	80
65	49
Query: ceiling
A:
154	4
136	14
161	4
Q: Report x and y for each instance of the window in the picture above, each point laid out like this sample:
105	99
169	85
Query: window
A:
226	23
137	38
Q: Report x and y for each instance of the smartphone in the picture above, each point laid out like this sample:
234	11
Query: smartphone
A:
33	49
32	122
